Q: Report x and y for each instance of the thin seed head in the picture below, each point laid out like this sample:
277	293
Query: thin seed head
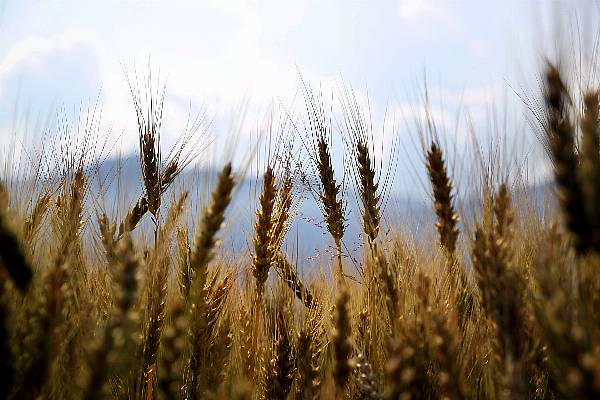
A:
169	175
283	204
107	236
561	143
288	273
590	162
442	195
500	284
157	294
205	311
246	337
141	207
210	223
184	255
333	207
368	190
149	157
33	221
117	331
134	216
308	368
341	339
281	368
261	261
502	210
205	308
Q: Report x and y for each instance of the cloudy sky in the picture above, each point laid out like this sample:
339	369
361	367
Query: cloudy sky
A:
220	54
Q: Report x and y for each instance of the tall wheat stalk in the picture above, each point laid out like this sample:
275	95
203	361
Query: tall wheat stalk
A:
263	257
561	141
443	200
329	194
201	321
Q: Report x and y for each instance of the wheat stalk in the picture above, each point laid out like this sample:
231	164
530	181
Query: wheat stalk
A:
156	295
390	287
263	257
561	141
246	342
281	212
341	340
107	236
288	273
141	207
590	163
210	222
126	265
333	208
445	350
367	190
205	313
328	194
171	360
44	318
34	220
184	256
443	199
502	290
281	368
407	364
307	365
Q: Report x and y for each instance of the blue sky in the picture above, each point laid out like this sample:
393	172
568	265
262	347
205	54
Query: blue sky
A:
219	54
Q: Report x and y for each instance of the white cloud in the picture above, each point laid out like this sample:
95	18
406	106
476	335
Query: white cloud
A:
34	49
240	70
430	10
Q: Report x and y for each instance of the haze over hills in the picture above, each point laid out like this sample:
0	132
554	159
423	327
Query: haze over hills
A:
120	183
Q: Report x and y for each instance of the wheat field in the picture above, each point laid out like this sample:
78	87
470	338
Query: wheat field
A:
136	305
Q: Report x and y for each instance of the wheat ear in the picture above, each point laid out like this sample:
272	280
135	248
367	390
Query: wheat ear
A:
287	272
368	186
590	163
443	199
210	222
34	219
281	368
157	294
341	339
105	356
333	208
308	367
561	142
263	257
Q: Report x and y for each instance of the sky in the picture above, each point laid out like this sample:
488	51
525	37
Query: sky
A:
224	56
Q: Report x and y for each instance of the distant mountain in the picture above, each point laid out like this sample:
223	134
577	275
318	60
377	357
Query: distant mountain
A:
121	184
